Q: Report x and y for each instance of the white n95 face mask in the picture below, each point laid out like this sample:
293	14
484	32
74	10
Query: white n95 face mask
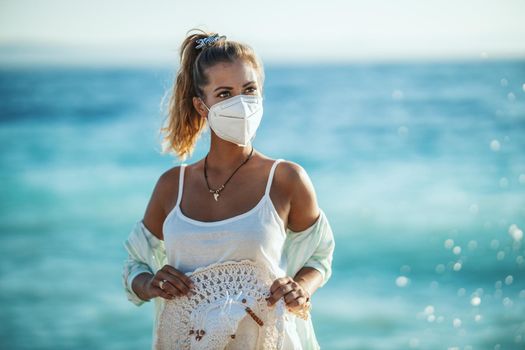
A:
237	118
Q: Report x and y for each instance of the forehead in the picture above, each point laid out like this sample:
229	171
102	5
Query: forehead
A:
231	73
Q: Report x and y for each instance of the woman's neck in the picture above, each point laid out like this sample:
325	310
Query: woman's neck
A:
224	156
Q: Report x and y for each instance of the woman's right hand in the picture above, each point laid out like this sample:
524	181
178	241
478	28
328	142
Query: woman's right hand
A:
176	283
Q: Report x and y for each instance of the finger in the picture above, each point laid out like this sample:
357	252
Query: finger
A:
161	293
171	289
173	283
185	279
279	282
278	293
300	300
291	296
179	275
301	293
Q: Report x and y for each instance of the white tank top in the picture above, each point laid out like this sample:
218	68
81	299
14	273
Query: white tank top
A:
257	234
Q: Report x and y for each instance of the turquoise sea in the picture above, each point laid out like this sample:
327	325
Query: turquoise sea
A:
419	166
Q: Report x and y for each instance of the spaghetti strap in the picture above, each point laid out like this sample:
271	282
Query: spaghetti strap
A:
270	177
181	183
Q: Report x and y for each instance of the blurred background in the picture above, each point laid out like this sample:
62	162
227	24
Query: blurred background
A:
409	117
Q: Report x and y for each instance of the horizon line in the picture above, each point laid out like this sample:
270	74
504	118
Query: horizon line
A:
37	53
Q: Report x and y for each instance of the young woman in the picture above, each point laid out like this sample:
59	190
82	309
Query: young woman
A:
235	203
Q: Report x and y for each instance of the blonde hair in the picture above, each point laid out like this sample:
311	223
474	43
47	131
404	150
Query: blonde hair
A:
184	124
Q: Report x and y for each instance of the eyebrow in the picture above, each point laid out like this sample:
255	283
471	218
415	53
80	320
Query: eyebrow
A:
229	88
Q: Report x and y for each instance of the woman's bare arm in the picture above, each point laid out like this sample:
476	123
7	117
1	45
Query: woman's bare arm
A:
165	190
304	212
144	284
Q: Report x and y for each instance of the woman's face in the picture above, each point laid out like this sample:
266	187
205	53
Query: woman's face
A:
227	80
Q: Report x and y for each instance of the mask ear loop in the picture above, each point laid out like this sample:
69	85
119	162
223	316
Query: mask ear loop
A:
204	103
208	128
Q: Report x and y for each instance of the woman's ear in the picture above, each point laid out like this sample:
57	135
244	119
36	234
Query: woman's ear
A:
198	104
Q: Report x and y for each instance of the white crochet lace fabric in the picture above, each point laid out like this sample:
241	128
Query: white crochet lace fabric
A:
225	294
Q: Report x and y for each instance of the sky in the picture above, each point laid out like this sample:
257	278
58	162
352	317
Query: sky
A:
330	30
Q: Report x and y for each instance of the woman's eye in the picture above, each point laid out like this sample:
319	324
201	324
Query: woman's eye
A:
226	93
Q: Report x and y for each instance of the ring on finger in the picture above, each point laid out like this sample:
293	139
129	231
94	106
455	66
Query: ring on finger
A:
161	283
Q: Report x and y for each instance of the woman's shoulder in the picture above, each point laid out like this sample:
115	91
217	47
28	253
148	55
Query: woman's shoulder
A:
168	179
295	180
290	172
285	167
292	178
165	188
173	173
167	185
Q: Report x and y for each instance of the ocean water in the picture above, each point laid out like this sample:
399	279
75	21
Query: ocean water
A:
420	168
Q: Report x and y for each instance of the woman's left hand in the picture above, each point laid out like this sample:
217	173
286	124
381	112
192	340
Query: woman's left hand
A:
295	296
